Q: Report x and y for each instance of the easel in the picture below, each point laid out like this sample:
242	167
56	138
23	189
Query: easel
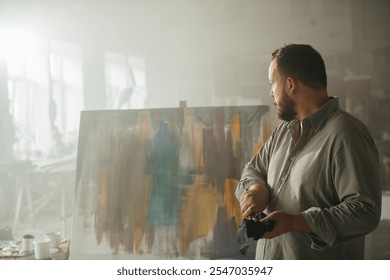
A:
54	173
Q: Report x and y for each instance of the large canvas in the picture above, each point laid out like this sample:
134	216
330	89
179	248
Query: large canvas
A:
160	183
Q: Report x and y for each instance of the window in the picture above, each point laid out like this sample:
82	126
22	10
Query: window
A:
66	99
125	81
45	94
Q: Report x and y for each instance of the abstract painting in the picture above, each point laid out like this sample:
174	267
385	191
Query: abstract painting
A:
160	183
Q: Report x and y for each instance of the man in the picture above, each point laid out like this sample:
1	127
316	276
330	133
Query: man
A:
317	175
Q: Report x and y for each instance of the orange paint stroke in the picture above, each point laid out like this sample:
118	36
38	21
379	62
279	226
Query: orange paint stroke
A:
264	133
232	205
235	125
199	212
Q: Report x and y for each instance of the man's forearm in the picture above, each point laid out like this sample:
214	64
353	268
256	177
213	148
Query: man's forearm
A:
299	223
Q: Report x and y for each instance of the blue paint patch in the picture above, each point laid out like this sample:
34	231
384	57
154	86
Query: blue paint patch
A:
165	197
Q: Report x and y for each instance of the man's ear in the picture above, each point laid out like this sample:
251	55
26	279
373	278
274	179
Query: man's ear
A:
291	85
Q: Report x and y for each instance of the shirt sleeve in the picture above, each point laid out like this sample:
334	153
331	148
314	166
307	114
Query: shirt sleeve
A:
255	171
355	169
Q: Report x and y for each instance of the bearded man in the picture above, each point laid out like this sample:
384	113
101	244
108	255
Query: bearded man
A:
317	175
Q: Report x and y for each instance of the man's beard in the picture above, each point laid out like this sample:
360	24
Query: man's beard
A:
286	108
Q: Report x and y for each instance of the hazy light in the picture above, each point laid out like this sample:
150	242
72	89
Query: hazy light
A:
18	41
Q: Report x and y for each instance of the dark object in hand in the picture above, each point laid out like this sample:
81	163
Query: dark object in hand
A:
256	229
252	228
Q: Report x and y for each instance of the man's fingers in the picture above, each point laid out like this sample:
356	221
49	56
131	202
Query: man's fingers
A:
244	203
248	212
243	198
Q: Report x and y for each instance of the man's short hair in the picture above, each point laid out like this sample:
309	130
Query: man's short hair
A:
302	62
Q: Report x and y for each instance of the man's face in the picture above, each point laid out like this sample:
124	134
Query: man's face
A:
285	105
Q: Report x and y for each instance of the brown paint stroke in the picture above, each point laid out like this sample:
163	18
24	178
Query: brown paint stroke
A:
124	189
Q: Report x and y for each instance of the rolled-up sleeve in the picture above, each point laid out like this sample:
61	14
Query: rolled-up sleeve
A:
355	169
255	171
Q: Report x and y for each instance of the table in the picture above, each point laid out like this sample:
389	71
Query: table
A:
50	180
62	254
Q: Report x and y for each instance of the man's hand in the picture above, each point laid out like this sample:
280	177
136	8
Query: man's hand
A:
254	200
285	223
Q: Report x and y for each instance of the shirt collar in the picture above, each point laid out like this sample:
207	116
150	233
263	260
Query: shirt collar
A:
319	117
316	119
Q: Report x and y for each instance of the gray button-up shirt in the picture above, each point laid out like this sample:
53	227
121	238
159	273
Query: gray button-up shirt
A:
330	173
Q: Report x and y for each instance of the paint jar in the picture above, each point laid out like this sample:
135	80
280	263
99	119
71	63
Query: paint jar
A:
27	244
